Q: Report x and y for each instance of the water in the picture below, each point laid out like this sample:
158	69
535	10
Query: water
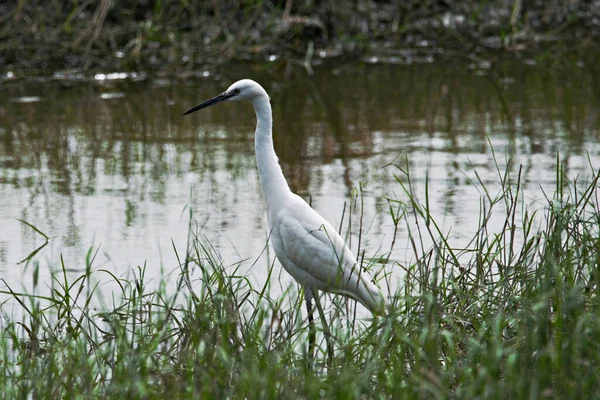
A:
110	165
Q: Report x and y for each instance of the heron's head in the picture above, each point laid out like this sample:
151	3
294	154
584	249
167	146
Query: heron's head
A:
246	89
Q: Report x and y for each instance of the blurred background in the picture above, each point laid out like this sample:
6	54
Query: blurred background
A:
183	35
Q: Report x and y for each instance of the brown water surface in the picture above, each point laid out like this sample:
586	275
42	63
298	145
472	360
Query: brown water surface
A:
110	165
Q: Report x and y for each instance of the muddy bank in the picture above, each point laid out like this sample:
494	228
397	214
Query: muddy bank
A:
172	36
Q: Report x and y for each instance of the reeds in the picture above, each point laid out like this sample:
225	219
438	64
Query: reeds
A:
514	314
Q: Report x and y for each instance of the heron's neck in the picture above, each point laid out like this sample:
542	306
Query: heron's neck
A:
274	185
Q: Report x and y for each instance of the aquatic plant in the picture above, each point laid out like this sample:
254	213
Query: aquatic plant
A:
514	314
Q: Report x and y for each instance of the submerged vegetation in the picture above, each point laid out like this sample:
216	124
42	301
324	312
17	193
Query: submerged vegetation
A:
514	314
186	35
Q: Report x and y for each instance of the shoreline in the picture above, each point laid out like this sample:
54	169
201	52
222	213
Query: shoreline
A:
168	37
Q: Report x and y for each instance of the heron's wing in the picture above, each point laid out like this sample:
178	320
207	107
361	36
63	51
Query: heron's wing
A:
314	246
311	250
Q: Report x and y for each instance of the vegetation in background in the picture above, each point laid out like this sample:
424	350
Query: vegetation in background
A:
177	35
514	314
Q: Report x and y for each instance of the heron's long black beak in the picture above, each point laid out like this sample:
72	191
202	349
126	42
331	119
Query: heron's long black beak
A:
223	96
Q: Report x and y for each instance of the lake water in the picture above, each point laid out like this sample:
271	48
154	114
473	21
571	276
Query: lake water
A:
110	164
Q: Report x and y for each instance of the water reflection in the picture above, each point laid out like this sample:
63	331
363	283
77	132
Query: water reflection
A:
114	164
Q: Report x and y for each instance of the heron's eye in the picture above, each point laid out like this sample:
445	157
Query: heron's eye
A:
236	91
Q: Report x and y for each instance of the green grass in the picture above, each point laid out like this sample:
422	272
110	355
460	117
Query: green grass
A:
515	314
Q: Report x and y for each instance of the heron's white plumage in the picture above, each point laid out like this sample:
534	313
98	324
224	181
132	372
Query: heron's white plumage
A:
312	251
307	246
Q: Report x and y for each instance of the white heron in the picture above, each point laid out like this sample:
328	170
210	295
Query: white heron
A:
307	246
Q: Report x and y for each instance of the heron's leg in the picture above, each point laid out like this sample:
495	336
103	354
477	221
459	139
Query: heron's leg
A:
312	334
326	331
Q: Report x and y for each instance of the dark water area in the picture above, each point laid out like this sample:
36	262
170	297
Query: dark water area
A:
109	164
